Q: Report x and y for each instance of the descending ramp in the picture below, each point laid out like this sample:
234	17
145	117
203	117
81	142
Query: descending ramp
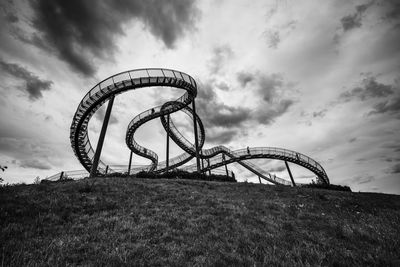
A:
216	156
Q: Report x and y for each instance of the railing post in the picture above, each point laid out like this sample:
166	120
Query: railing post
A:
97	154
167	150
130	163
290	173
196	141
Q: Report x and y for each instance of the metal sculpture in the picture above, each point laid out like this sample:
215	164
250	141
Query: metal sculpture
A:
215	157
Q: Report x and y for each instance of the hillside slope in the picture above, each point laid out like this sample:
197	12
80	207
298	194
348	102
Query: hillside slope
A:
123	221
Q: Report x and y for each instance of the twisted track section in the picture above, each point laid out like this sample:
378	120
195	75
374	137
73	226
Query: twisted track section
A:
215	157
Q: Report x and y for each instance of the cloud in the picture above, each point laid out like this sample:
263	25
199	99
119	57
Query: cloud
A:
370	88
362	179
269	115
220	136
277	169
352	21
35	164
320	113
396	168
352	140
29	153
221	54
217	114
392	9
273	38
244	78
78	31
34	86
268	88
390	106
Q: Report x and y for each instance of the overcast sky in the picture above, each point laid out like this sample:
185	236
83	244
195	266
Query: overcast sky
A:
318	77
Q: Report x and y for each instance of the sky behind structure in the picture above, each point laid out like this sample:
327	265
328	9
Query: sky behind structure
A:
318	77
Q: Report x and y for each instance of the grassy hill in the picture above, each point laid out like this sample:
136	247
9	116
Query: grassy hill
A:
121	221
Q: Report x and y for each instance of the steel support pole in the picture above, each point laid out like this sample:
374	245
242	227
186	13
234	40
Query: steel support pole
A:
196	141
208	163
202	162
130	163
106	169
167	150
259	179
290	173
99	147
226	170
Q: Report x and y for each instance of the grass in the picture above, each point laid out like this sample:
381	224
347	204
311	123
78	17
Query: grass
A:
121	221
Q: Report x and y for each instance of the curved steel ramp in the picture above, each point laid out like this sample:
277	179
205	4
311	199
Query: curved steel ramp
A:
217	156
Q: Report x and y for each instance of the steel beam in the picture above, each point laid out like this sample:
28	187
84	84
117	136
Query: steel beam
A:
196	141
93	170
130	163
290	173
167	150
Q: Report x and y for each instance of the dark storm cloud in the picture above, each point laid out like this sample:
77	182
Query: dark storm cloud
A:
34	86
78	31
222	122
221	136
370	89
389	106
226	116
244	78
396	168
391	9
216	114
219	57
267	87
269	114
35	164
354	20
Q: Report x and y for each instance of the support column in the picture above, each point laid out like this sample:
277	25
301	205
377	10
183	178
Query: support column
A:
167	150
130	163
290	173
97	154
202	163
226	168
208	163
106	169
196	141
259	179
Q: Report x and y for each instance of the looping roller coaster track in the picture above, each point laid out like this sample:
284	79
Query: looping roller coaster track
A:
215	157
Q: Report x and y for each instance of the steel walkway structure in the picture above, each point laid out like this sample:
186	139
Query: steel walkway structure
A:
215	157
